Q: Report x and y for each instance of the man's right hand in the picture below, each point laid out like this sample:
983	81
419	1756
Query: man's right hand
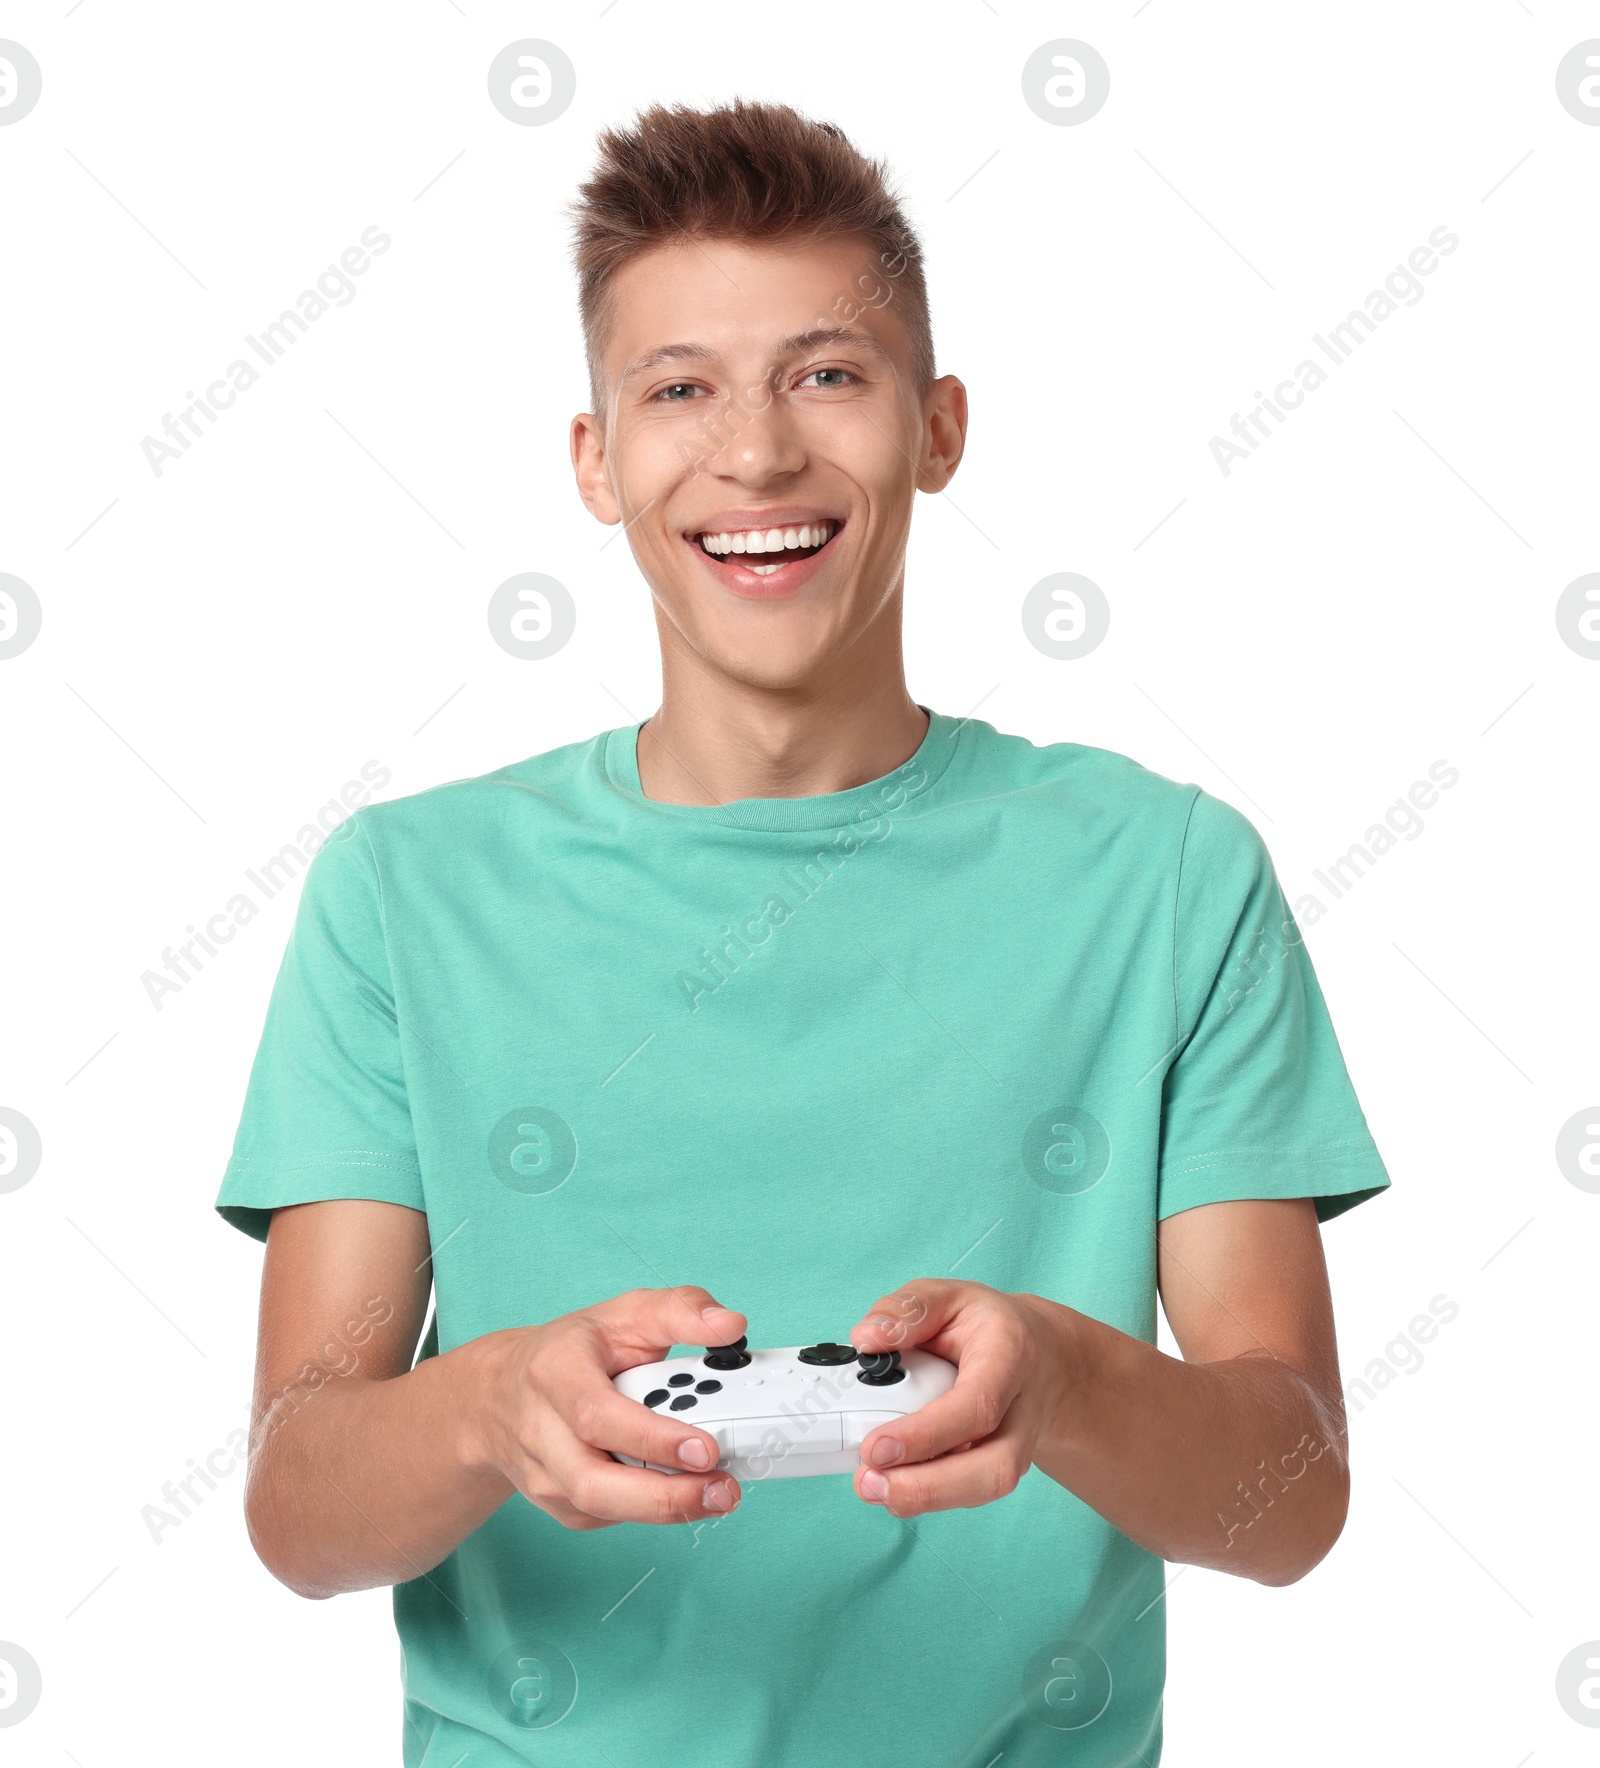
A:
548	1419
366	1471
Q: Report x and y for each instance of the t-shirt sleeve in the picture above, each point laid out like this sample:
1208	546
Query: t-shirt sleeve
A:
1257	1102
325	1113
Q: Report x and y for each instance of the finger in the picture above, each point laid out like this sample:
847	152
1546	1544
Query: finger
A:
989	1470
598	1416
969	1413
910	1315
993	1367
538	1487
653	1320
569	1516
598	1486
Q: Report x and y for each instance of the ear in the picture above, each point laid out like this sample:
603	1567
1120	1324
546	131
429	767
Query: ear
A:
944	416
589	469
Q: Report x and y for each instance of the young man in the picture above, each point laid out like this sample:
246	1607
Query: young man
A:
799	1011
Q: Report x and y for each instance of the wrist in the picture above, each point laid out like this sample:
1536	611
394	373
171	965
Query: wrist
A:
477	1375
1072	1358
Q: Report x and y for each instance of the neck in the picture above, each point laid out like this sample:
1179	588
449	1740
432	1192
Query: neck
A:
716	739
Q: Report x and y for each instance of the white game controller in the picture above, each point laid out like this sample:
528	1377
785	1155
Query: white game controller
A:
781	1414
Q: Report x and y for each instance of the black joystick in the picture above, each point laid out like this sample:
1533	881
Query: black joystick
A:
728	1356
828	1355
881	1369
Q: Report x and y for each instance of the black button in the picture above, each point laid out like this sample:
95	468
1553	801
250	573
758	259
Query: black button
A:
679	1380
881	1370
655	1396
828	1354
708	1387
683	1402
728	1356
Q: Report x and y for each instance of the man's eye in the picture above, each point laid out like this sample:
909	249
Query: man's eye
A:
678	391
829	377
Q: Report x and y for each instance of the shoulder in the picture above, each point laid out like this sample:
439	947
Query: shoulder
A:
551	784
453	829
1221	847
1098	785
1127	814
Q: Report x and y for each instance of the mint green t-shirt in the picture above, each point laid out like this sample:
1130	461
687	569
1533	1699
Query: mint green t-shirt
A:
995	1014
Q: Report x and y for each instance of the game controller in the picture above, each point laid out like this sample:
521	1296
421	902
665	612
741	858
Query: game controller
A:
784	1414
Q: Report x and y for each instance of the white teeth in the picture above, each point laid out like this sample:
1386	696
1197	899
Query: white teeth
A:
765	570
768	540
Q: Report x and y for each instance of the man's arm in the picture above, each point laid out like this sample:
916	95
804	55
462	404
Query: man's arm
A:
1234	1458
365	1471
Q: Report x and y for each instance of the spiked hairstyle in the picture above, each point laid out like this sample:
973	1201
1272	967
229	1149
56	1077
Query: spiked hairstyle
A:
744	171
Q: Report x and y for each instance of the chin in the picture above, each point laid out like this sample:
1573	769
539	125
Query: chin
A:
777	650
787	671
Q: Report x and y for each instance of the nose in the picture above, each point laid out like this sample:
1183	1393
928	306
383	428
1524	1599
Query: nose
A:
763	443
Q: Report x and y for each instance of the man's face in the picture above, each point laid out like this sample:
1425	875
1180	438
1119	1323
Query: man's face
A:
763	440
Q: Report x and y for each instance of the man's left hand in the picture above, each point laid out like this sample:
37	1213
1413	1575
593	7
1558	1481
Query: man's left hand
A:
1017	1359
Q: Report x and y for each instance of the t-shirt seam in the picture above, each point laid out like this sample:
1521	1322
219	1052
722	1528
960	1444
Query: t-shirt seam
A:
383	917
389	978
369	1157
1317	1151
1177	903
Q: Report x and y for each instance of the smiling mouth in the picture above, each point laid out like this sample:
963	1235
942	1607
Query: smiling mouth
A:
765	550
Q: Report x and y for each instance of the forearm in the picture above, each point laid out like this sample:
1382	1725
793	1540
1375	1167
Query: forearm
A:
365	1483
1236	1465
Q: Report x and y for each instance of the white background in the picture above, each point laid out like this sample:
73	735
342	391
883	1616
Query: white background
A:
1372	591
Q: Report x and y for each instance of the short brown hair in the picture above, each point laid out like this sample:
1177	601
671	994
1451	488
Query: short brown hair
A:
748	172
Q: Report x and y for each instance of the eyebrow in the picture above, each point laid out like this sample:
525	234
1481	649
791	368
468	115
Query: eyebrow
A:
850	335
798	344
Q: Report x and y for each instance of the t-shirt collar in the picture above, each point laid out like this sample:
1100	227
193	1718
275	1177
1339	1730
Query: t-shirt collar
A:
914	778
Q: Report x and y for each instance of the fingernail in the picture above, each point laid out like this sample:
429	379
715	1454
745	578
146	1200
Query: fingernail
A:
693	1453
719	1496
874	1486
715	1308
885	1450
